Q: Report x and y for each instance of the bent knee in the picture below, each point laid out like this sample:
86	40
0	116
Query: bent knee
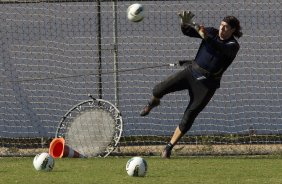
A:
188	120
185	126
157	91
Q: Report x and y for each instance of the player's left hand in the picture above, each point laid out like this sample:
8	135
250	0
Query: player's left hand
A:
186	17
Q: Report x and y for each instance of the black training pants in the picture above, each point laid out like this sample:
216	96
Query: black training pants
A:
199	94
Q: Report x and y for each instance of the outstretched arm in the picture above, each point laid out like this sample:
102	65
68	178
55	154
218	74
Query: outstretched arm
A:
189	27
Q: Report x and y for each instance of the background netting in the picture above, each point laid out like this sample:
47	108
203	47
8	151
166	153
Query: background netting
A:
55	53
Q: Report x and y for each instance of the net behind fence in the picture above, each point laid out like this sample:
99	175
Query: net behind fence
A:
55	53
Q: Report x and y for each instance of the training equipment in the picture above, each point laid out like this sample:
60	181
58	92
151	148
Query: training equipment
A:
54	53
43	162
92	128
136	166
58	149
135	12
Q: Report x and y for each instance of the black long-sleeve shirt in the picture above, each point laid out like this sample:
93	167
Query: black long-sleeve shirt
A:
214	55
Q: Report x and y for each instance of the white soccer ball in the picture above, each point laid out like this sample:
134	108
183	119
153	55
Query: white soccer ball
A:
135	12
43	162
136	166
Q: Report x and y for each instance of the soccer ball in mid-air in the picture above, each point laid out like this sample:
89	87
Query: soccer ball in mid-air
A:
135	12
136	166
43	162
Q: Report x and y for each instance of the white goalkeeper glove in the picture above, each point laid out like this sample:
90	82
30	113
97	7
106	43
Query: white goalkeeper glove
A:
186	18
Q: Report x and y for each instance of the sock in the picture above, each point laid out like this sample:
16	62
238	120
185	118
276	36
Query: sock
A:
169	146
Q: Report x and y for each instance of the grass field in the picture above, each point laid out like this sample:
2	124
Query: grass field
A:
111	170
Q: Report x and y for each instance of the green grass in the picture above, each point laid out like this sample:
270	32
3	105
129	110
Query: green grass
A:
111	170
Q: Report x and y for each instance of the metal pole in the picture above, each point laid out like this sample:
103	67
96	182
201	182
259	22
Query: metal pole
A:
116	80
99	68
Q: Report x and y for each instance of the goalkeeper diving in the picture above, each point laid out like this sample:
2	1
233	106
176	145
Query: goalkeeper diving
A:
201	77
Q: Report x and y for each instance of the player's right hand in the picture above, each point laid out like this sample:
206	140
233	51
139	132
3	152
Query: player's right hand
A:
186	17
202	32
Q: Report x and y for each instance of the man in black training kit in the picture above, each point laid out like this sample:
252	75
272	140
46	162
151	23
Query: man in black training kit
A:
202	76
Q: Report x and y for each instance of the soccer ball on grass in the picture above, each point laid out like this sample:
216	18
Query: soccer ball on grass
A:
43	162
136	166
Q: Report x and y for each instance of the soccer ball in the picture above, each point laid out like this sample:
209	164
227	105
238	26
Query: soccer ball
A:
135	12
136	166
43	162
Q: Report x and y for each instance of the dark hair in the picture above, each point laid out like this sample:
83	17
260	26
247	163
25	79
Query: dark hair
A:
234	23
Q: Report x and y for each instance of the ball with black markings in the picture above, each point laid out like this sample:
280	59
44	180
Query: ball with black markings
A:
135	12
136	166
43	162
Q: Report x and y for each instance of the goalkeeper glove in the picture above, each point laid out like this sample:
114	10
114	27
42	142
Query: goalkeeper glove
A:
186	18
